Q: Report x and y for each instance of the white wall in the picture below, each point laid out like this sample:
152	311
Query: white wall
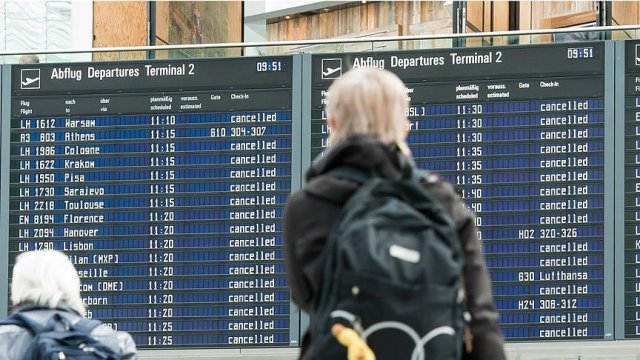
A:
271	5
46	25
266	9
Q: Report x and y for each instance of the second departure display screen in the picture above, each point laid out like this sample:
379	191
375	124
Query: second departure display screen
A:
520	132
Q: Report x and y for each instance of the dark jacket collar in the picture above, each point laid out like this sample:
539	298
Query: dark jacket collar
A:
362	152
365	153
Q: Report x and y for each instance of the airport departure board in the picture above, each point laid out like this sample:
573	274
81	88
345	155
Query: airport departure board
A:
632	191
520	131
164	182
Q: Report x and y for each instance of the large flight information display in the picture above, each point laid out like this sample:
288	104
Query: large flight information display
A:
520	131
164	182
632	190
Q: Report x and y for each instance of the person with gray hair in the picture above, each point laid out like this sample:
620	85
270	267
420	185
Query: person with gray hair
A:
45	284
367	118
29	59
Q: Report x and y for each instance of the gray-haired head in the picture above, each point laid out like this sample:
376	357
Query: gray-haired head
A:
46	278
29	59
368	101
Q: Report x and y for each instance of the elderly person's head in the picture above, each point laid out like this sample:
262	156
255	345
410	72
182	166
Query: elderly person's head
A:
29	59
368	101
46	278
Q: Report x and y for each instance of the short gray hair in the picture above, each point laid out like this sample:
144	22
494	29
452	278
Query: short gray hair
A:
29	59
46	278
369	101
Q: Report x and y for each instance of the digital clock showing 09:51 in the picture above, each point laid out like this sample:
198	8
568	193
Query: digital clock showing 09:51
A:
269	65
580	53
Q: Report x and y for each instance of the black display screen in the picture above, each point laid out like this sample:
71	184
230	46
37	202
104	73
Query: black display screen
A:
520	132
164	182
632	190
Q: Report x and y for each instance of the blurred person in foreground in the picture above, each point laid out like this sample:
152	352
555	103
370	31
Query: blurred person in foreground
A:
46	283
368	128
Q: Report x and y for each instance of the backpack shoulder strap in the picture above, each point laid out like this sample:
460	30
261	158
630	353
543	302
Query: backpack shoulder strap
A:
11	321
24	321
86	326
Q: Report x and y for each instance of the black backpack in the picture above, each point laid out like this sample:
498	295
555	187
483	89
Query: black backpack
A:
60	339
392	271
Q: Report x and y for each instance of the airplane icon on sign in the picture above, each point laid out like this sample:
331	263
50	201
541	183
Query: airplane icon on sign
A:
330	71
331	68
29	81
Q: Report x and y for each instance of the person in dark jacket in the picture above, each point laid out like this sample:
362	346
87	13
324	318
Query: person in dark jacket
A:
45	283
366	115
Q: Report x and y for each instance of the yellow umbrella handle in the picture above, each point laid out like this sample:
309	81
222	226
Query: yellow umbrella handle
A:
349	338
